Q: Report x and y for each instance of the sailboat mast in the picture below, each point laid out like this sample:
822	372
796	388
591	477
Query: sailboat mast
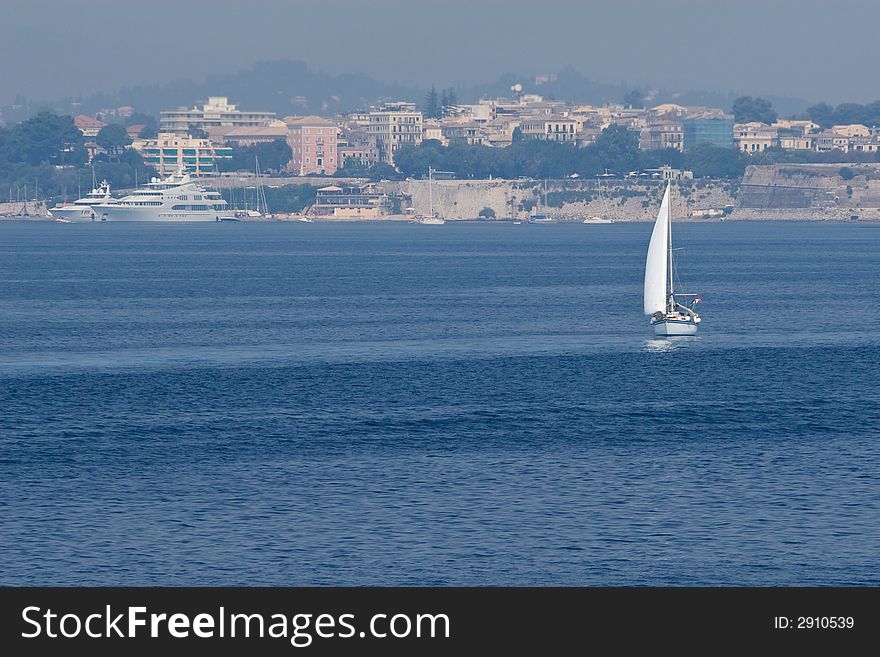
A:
669	243
431	190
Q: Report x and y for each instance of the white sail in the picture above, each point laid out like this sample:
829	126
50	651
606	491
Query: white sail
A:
656	265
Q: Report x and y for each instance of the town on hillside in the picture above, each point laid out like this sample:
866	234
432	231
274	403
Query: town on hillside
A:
381	155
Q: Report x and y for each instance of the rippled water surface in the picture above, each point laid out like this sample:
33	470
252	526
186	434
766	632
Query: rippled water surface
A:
461	404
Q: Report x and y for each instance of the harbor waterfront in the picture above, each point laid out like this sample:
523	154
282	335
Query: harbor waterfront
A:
293	404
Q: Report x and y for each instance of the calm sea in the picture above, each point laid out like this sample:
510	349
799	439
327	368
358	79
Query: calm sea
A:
462	404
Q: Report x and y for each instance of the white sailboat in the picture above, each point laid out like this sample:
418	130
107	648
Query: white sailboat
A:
668	317
604	218
432	218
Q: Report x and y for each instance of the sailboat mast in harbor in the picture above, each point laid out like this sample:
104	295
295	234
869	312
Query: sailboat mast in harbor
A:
432	218
668	317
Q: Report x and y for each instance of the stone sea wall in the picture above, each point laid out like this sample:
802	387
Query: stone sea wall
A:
566	200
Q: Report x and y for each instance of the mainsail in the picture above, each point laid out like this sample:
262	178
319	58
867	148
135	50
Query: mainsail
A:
656	265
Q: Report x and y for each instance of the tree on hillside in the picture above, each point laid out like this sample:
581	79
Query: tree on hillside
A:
706	160
432	109
273	156
616	149
634	98
747	109
353	168
448	101
47	137
821	113
113	138
383	171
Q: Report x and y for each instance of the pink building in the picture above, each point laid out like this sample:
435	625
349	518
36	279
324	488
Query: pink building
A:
313	144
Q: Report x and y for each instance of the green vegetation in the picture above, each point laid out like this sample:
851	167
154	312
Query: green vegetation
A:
354	168
114	139
616	150
634	98
846	173
747	109
844	114
47	152
487	213
286	198
448	101
273	156
781	156
431	108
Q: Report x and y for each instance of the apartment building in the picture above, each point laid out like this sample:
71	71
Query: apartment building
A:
551	128
662	135
393	125
215	114
169	151
313	145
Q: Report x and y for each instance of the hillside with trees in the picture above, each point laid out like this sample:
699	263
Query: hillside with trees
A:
47	152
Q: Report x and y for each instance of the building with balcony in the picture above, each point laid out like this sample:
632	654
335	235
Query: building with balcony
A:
755	137
793	142
828	140
215	116
313	145
357	145
350	202
862	144
166	153
551	128
432	130
662	135
468	132
798	127
393	125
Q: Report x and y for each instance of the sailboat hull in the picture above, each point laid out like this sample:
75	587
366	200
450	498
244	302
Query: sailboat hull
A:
674	327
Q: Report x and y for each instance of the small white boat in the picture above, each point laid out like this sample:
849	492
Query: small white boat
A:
598	220
305	220
668	316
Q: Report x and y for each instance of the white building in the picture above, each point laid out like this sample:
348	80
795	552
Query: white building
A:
217	113
393	125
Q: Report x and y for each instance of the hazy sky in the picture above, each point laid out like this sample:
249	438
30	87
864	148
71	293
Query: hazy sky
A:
806	48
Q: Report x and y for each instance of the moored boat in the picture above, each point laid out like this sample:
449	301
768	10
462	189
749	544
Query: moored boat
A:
82	209
176	199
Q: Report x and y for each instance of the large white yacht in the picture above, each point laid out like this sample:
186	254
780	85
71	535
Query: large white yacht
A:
176	198
82	208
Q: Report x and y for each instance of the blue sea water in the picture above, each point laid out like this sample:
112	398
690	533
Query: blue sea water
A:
294	404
